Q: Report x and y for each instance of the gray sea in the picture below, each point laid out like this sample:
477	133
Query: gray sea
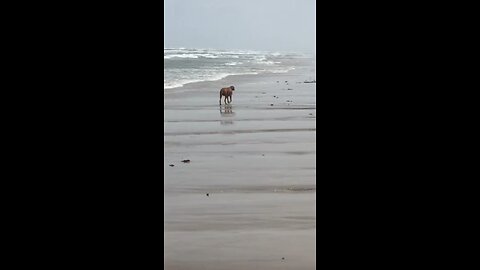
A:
184	65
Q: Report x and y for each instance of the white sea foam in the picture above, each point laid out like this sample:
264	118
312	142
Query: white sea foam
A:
208	55
269	63
233	63
210	77
196	55
169	85
196	65
193	56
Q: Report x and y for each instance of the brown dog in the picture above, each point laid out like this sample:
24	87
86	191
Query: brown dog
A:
227	92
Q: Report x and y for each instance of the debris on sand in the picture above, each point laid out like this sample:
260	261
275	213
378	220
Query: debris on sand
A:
186	161
208	195
171	165
314	81
289	89
283	258
271	104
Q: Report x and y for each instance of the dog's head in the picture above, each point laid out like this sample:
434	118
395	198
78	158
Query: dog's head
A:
232	87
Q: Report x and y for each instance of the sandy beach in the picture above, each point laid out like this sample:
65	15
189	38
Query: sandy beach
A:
256	160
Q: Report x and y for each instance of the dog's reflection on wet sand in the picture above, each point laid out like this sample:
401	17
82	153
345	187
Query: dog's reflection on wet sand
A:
226	111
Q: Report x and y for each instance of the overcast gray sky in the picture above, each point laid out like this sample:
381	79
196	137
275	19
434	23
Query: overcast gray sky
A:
274	25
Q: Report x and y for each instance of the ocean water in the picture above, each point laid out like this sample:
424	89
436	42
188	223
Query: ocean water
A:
182	65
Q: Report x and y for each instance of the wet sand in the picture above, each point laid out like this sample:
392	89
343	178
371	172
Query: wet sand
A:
255	161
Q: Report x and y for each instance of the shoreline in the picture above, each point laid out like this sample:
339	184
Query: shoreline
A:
300	62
